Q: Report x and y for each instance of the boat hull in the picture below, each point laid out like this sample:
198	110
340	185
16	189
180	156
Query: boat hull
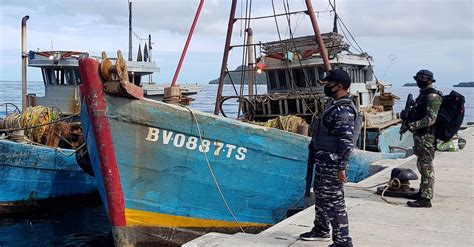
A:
33	177
180	173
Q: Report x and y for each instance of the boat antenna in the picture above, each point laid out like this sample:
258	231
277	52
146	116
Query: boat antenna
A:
150	77
225	57
334	27
23	63
130	31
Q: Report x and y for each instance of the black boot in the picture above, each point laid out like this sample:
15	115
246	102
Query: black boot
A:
414	196
420	203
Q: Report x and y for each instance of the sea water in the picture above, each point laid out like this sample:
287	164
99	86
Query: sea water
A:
88	225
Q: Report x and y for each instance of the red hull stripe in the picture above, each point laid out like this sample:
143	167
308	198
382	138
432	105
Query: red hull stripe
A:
92	91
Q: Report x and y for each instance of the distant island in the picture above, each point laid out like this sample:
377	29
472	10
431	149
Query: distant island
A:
465	84
236	77
410	84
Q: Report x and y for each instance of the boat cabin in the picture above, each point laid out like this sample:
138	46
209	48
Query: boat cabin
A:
294	78
61	78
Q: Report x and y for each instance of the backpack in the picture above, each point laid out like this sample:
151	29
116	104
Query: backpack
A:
450	116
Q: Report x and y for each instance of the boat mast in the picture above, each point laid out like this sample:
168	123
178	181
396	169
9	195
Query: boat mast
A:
334	27
188	40
225	57
23	63
130	31
150	77
317	33
250	58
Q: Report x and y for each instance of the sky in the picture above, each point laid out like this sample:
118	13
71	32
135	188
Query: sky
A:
402	36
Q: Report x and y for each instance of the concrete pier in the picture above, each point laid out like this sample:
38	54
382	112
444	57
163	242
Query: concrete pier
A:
374	222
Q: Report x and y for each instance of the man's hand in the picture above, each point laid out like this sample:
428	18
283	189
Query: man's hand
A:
341	175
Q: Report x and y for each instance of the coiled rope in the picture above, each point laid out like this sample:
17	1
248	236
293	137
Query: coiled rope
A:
394	183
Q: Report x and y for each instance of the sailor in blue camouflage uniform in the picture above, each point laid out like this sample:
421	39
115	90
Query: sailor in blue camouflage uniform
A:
330	147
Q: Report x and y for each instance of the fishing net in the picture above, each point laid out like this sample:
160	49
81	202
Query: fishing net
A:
33	116
288	123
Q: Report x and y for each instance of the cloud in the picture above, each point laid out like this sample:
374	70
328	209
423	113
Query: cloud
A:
434	28
424	19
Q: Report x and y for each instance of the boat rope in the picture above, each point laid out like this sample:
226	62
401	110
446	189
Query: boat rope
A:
39	125
212	172
358	46
285	51
281	14
390	184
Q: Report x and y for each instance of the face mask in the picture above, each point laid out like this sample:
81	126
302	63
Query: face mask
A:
328	90
422	84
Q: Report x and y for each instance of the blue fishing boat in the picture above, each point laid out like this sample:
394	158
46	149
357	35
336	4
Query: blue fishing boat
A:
167	173
38	145
35	177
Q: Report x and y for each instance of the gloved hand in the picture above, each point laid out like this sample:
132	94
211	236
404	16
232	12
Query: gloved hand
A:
404	115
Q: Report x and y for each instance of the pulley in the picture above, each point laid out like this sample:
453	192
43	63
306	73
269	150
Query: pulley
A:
108	69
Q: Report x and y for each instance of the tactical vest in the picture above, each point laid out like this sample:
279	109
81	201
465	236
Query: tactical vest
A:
419	109
323	140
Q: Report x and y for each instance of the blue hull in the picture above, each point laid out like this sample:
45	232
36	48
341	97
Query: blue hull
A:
31	173
164	172
167	173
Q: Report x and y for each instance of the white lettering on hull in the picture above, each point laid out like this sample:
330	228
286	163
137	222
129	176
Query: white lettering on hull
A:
179	140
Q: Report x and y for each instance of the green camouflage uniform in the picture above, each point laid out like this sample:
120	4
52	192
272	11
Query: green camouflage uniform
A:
425	143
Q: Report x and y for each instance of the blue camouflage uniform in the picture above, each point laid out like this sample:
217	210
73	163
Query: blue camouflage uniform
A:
332	143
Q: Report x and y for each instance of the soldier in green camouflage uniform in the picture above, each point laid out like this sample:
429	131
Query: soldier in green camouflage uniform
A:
424	114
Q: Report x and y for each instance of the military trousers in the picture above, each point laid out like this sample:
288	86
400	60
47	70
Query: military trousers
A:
330	206
424	149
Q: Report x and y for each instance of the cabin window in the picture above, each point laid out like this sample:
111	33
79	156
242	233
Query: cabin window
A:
72	76
271	79
46	76
299	77
282	79
59	77
49	76
360	99
311	75
368	74
321	74
77	76
70	80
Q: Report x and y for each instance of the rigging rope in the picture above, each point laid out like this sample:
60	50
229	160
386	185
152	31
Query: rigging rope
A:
212	172
295	87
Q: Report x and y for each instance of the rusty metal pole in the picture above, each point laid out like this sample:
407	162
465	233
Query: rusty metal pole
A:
250	58
317	33
130	30
24	55
225	57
